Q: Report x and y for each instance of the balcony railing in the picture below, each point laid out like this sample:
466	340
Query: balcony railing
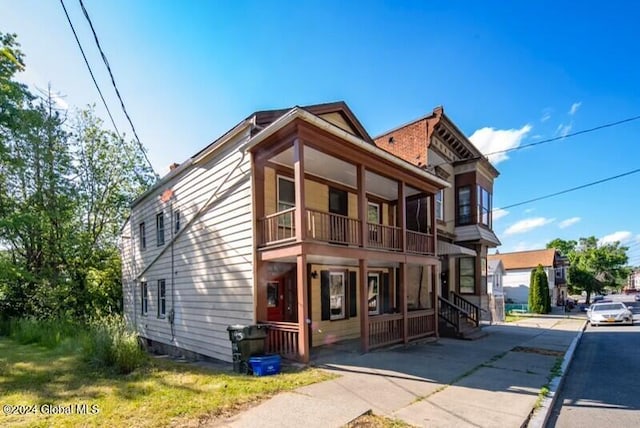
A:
334	228
384	237
322	226
278	227
421	243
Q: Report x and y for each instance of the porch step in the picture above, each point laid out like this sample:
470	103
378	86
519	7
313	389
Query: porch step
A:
468	331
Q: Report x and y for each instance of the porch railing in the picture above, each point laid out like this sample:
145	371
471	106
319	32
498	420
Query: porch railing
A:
385	330
472	310
282	338
278	227
422	323
421	243
451	313
335	228
385	237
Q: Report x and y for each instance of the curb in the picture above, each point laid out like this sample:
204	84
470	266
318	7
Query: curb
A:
541	416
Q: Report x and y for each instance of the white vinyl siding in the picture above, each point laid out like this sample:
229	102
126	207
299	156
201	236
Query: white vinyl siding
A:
210	268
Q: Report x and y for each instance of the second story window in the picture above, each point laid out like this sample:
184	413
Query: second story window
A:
176	220
160	229
286	193
464	205
440	205
484	206
143	236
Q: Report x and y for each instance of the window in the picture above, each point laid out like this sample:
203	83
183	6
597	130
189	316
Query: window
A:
337	295
160	229
373	280
440	205
176	220
143	236
286	194
162	298
286	201
272	294
464	205
484	206
467	275
144	298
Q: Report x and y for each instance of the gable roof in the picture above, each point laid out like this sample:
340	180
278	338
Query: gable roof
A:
266	117
526	259
494	264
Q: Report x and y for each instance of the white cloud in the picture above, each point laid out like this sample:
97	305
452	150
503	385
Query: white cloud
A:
563	129
529	210
574	108
620	236
527	225
569	222
491	140
526	246
498	213
546	115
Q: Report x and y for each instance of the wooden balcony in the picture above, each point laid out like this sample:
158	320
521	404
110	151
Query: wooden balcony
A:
280	228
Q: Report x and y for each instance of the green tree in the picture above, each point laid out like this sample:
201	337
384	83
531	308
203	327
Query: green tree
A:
539	300
594	266
564	247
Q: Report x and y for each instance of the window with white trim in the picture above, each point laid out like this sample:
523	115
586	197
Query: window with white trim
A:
143	236
162	298
439	198
484	206
464	205
160	229
373	285
144	298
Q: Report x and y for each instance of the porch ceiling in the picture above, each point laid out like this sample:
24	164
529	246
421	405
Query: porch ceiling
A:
336	170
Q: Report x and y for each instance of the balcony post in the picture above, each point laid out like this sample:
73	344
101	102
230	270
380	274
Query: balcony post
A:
362	206
434	225
364	306
303	308
403	302
298	174
402	216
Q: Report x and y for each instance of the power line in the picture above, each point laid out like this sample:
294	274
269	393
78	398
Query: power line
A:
113	122
573	134
115	86
573	189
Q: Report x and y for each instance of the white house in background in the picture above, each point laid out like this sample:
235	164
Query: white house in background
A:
518	266
634	281
495	289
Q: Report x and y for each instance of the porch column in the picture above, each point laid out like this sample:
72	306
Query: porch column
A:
434	224
260	303
298	174
403	302
303	309
435	280
402	216
362	206
364	306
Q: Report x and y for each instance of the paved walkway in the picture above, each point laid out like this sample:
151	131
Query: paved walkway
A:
491	382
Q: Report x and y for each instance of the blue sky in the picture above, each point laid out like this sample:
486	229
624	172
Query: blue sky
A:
507	73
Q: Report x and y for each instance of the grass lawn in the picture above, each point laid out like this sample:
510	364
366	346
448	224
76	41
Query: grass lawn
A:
164	393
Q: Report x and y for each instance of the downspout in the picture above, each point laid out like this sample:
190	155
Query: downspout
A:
172	313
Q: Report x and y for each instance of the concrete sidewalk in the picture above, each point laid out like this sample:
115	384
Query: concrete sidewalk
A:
492	382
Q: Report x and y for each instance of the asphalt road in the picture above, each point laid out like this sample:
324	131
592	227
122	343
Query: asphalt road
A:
602	387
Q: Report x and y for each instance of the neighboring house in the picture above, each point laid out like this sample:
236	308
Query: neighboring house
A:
495	290
296	219
463	211
518	267
633	283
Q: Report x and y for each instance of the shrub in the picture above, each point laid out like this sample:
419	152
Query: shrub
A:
539	299
109	344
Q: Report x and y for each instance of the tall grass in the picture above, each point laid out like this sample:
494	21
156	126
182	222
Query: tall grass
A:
109	344
106	342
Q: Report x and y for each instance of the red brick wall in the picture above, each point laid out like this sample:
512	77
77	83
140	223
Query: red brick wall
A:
409	143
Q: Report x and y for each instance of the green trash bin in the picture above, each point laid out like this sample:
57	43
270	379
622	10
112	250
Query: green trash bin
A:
246	341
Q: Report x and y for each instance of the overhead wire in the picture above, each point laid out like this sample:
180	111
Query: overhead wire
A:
115	86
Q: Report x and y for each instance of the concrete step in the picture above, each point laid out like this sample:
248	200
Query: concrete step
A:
473	334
